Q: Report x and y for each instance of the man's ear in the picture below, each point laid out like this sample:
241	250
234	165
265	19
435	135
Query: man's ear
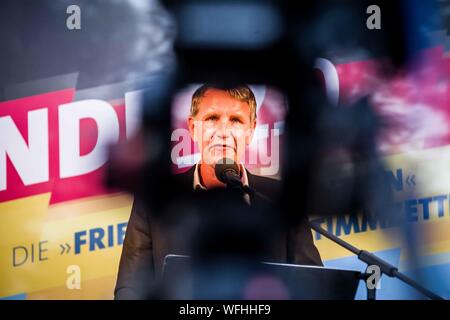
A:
191	127
249	136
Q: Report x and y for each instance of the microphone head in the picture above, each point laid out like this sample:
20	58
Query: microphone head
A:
224	165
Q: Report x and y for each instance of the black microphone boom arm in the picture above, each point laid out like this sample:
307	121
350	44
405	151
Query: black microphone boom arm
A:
371	259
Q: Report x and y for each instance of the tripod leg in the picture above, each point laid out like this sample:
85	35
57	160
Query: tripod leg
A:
371	290
371	293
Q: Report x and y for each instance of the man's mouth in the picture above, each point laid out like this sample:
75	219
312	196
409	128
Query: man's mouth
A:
222	146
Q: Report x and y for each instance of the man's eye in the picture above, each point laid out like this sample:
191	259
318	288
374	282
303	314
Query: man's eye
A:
211	118
236	120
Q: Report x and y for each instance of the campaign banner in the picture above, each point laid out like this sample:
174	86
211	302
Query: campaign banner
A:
62	230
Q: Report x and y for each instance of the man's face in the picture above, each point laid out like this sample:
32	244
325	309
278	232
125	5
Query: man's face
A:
222	127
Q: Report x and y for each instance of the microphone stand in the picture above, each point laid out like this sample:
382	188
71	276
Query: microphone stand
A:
371	259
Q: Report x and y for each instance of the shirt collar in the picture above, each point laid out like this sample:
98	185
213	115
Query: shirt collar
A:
197	184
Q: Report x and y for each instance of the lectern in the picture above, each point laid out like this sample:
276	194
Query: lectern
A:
299	282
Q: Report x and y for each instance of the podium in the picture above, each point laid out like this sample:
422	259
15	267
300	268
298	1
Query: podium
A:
224	281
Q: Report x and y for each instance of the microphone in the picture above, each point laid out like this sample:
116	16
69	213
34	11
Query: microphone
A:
228	172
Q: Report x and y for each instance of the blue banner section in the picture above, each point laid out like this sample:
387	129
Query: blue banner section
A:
435	277
21	296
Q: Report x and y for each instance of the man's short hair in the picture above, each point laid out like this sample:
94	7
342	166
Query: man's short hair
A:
242	93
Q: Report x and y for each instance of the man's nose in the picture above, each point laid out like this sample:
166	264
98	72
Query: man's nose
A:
223	128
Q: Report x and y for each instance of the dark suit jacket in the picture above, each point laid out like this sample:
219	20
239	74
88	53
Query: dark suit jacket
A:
147	243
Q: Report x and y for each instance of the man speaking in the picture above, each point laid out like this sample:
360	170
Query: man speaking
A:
222	122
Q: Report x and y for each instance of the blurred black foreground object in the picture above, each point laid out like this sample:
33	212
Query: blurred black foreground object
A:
208	225
272	43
